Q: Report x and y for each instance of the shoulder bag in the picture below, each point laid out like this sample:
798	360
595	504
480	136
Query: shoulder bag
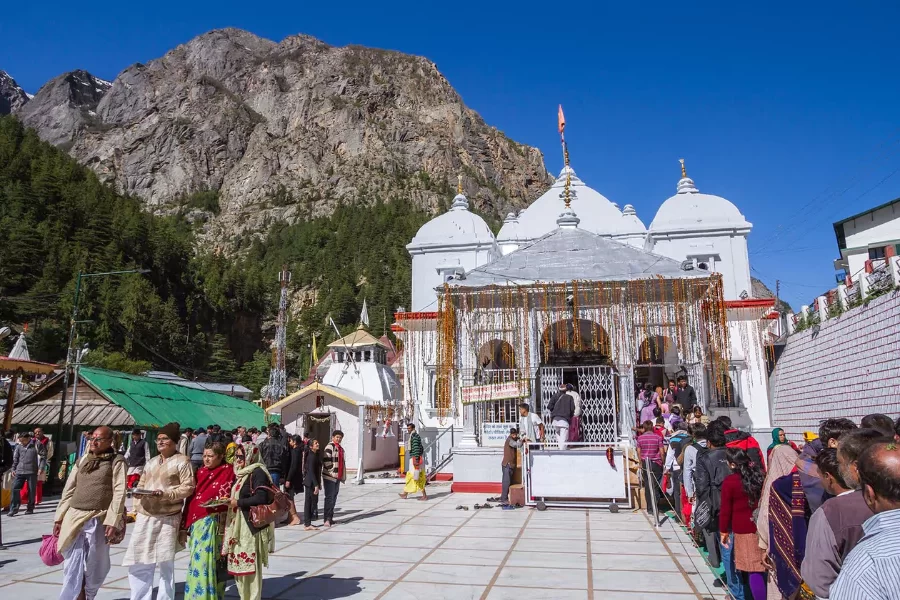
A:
263	515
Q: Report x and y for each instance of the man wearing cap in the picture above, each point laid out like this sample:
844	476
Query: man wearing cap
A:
24	469
90	516
165	483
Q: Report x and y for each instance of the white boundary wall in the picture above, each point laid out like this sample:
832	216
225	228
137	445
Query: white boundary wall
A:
848	366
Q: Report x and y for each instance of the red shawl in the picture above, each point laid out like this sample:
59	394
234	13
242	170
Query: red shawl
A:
211	484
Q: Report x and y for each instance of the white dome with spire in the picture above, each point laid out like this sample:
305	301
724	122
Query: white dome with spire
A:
631	224
457	226
598	215
689	210
510	230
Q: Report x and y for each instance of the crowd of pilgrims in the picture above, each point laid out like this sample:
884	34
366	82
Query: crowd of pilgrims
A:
208	491
819	518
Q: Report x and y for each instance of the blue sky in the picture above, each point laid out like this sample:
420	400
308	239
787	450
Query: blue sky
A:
791	112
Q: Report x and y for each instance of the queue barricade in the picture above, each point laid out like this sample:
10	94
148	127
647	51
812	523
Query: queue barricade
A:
584	475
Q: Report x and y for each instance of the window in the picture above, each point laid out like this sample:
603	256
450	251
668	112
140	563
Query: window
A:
368	355
875	253
340	357
706	262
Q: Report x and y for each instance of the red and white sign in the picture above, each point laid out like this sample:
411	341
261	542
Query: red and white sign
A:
498	391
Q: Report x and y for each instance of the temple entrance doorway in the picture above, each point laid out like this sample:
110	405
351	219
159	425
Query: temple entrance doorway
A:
577	352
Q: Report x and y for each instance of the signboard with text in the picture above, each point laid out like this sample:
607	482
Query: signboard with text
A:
497	391
494	434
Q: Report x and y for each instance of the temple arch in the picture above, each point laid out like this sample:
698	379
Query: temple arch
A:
575	341
656	361
496	362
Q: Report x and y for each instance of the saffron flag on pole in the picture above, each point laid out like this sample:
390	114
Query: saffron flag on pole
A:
562	120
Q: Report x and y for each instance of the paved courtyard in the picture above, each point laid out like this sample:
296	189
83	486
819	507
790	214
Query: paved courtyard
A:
385	547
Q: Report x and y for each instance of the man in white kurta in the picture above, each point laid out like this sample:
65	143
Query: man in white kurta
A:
168	479
91	512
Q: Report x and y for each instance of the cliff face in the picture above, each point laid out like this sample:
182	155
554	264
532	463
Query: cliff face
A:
64	107
12	97
285	131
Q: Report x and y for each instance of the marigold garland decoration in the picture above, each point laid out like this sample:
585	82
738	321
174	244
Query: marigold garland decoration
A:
497	335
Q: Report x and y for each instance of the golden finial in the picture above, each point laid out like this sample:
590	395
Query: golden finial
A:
459	184
683	170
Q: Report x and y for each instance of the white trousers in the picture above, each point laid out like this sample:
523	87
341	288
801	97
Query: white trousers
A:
87	562
562	433
140	579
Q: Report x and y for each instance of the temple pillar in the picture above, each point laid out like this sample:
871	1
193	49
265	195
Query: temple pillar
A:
469	438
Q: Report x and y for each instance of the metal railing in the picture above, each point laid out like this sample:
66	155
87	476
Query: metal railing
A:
433	455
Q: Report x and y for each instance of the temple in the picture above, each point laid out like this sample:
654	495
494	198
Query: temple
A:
574	290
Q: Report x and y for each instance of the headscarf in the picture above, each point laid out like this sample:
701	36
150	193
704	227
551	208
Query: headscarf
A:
252	461
775	441
211	484
230	451
781	463
240	541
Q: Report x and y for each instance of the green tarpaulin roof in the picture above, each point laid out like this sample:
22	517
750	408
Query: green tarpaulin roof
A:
154	402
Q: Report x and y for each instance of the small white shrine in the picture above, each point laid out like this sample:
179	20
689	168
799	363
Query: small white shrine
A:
359	394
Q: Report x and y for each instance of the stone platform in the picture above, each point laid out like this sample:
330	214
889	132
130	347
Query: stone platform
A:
385	547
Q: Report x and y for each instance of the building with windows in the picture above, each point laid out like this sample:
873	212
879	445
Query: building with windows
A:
870	235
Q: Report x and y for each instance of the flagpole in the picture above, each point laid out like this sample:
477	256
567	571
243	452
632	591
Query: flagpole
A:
565	149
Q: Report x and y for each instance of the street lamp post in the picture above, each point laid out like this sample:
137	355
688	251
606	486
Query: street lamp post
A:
69	354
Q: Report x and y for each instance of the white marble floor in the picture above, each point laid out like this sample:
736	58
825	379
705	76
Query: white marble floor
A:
385	547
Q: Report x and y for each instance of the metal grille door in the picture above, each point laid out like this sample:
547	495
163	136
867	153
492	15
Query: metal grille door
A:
551	378
598	387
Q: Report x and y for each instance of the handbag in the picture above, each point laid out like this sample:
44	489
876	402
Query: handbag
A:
574	429
48	551
263	515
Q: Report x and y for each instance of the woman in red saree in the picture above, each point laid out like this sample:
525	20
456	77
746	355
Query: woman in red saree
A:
203	527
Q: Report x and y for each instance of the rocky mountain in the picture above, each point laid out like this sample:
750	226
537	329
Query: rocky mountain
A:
283	131
64	107
12	96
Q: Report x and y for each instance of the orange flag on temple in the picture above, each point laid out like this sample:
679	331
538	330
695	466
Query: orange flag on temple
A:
562	120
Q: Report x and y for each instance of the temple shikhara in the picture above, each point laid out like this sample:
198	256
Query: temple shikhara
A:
575	290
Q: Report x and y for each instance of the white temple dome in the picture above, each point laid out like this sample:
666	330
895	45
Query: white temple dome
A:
457	226
689	210
598	215
631	224
510	230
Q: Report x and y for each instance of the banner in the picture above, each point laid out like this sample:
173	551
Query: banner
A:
497	391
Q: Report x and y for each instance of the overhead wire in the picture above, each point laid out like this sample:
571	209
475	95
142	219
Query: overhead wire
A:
891	145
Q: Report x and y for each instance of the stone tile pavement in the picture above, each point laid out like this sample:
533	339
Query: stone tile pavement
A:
385	547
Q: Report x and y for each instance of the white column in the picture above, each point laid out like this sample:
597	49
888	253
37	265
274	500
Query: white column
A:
361	446
469	439
789	323
822	301
842	296
863	283
894	269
